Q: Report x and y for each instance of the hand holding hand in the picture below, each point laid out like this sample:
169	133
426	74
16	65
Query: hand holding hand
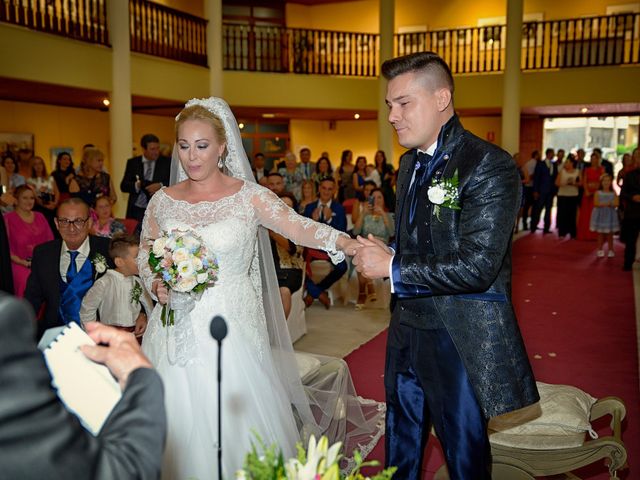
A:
116	349
347	245
373	257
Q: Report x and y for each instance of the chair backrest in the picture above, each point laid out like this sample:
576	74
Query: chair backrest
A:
130	224
348	205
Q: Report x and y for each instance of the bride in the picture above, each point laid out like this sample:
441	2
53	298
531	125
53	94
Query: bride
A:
262	392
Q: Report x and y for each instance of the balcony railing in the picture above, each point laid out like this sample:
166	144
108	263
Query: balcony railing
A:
84	20
583	42
168	33
161	31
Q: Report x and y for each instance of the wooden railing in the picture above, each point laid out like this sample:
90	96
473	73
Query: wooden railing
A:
582	42
295	50
165	32
84	20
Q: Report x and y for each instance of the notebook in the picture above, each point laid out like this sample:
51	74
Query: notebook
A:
86	388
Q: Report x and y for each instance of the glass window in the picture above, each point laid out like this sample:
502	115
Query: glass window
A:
274	128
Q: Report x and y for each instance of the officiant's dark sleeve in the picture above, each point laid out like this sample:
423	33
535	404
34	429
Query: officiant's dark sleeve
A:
40	439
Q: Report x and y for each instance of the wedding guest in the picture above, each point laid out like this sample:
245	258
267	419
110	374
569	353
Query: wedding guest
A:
323	169
40	438
118	297
63	174
275	183
92	181
4	179
604	218
377	221
358	177
528	169
359	207
544	189
630	195
15	179
23	162
104	225
306	166
6	271
44	185
26	229
288	260
291	175
628	165
308	195
590	183
387	177
258	168
606	164
345	176
567	182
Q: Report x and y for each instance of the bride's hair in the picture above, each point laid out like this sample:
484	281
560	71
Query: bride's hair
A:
198	112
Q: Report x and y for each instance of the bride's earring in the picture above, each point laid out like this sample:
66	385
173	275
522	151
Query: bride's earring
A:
220	162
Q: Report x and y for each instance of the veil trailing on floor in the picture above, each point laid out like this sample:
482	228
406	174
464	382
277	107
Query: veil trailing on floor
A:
320	389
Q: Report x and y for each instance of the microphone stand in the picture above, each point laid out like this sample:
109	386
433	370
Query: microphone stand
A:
218	329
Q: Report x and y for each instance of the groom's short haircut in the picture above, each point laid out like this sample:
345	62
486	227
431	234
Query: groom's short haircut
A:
428	63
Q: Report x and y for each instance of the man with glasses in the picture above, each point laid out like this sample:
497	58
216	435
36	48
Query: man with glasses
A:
63	270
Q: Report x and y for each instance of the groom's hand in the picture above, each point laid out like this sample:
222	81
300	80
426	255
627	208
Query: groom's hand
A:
373	258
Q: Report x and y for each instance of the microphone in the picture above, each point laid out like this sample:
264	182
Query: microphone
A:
218	329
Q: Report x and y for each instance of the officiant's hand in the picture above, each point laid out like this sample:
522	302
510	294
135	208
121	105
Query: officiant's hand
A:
116	349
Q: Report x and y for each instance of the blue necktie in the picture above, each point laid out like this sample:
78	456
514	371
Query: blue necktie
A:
72	271
421	167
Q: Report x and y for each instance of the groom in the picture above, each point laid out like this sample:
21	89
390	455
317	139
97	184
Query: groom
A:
455	356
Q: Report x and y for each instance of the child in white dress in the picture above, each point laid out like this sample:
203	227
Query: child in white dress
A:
119	296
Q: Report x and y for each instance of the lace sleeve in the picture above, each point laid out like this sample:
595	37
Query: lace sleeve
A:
150	231
276	215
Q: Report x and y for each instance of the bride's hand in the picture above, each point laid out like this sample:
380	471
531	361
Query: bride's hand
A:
161	291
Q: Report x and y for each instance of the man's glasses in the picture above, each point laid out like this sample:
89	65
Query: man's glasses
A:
66	223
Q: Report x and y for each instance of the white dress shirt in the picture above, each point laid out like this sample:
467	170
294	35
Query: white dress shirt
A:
65	258
111	296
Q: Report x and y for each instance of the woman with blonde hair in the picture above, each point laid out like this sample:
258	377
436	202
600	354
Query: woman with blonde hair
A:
92	181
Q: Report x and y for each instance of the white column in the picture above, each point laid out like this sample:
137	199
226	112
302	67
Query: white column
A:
387	27
213	13
120	123
512	73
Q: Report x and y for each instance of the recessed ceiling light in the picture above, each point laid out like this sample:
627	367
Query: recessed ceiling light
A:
356	116
241	125
106	102
268	115
584	109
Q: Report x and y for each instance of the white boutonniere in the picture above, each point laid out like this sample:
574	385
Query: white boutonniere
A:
444	193
99	263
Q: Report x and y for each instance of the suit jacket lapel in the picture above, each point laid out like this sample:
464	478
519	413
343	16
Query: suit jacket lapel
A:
406	168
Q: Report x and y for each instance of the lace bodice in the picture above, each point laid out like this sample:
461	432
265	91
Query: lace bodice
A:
229	225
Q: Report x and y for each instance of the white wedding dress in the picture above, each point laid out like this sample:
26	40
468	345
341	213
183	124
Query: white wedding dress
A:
185	355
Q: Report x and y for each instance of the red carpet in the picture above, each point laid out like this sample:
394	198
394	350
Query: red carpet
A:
577	315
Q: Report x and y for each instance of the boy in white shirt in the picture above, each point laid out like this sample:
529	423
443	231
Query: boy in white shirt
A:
119	295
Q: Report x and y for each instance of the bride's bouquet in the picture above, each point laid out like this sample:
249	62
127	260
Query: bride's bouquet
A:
185	265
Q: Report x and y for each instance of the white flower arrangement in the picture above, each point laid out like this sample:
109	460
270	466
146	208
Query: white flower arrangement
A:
320	462
99	263
444	193
184	263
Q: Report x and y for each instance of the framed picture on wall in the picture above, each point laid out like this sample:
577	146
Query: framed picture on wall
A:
55	151
14	142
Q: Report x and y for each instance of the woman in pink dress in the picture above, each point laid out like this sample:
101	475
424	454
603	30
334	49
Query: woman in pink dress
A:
590	184
25	229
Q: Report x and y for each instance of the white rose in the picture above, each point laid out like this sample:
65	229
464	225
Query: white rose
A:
436	195
171	244
186	284
100	266
185	269
202	277
197	263
190	242
180	255
158	246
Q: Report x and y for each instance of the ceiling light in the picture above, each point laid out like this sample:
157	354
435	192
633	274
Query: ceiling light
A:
106	102
268	115
241	125
584	109
356	116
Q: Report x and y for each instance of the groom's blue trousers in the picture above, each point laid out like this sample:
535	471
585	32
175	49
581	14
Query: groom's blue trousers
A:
426	384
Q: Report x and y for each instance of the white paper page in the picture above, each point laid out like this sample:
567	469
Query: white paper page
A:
86	388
